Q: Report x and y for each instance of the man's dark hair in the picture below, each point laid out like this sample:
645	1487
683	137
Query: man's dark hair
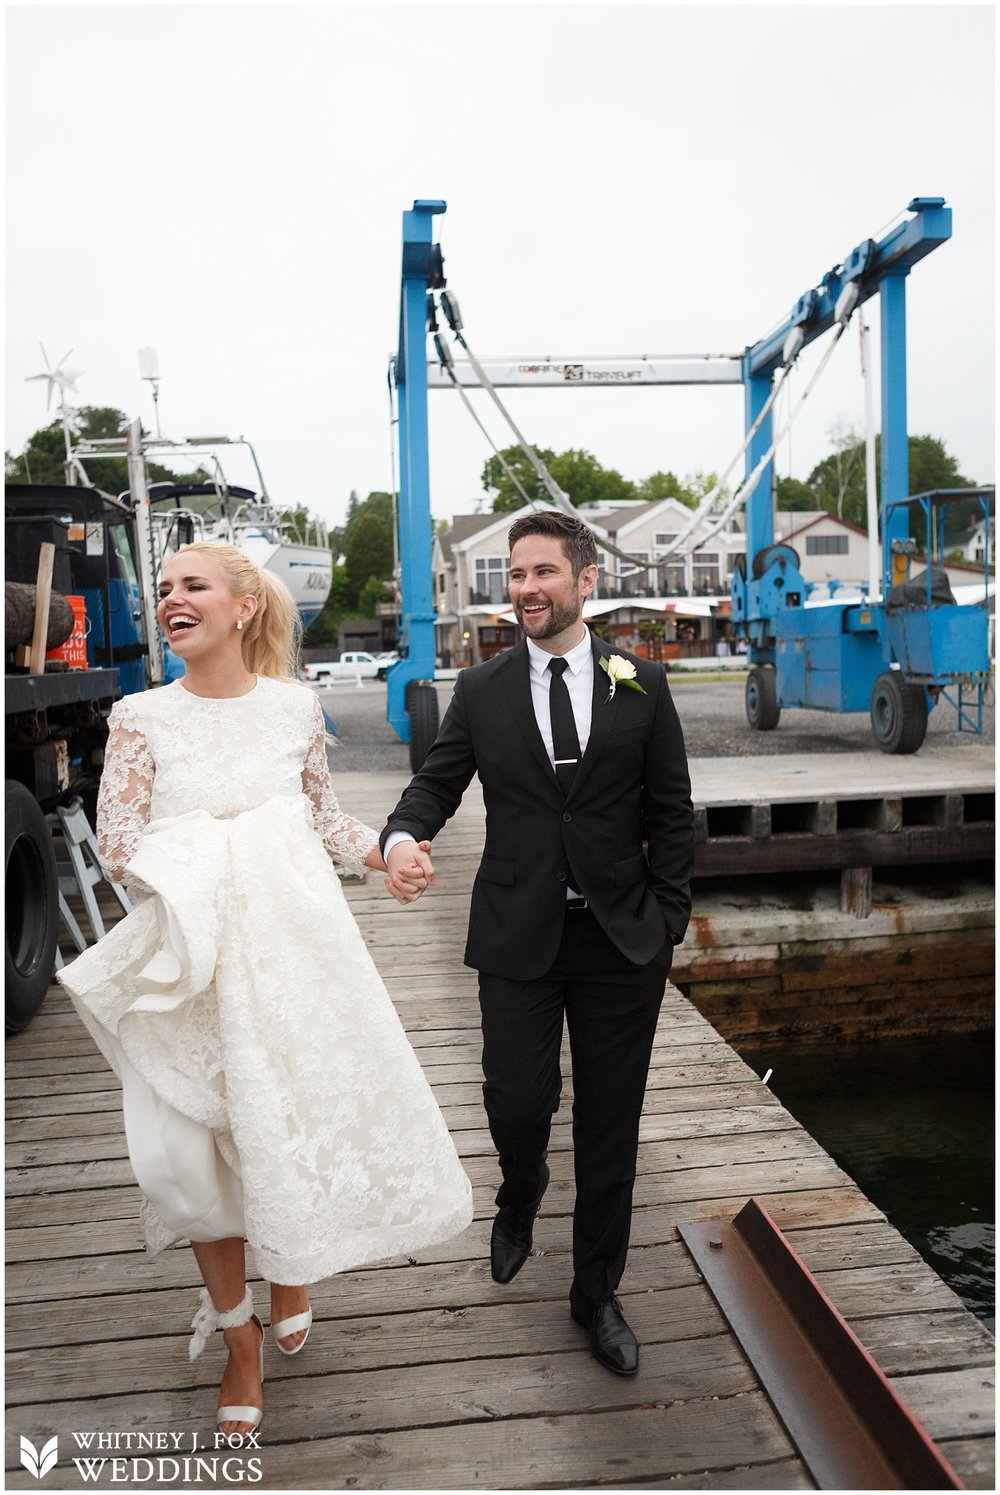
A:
577	540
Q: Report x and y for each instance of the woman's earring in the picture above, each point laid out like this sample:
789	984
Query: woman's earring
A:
239	623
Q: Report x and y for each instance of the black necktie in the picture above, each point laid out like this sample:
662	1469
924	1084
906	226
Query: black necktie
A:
565	743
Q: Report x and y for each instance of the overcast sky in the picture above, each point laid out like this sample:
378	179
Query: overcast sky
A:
225	183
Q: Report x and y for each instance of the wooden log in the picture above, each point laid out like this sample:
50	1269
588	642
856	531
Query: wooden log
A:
19	616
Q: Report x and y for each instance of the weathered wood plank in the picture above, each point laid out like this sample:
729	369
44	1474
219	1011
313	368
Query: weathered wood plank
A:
662	1170
558	1452
458	1392
859	1292
420	1337
948	1339
953	1403
115	1262
974	1460
647	1443
801	1207
32	1139
41	1171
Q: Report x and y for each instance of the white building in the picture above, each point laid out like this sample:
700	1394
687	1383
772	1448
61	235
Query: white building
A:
664	609
655	605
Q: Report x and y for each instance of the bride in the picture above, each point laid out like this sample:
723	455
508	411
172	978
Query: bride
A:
270	1094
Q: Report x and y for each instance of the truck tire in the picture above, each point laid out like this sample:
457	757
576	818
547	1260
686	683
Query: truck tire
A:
31	896
898	713
422	706
763	711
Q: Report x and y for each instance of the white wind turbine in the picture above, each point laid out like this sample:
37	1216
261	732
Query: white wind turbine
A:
58	378
64	380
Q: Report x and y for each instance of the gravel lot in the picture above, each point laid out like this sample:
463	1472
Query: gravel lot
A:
711	712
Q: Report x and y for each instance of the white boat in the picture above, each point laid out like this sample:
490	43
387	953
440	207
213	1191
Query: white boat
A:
185	512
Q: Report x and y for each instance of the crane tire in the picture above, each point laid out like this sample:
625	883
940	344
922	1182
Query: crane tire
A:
31	897
763	711
422	706
898	713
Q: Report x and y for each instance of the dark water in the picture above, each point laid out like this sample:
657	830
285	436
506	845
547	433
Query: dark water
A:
911	1120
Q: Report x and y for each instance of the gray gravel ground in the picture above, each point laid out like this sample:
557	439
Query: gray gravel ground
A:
711	713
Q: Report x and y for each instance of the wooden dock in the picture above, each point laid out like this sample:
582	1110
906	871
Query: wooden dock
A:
422	1373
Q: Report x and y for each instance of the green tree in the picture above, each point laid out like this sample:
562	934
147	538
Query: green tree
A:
697	485
793	494
838	482
507	496
662	485
367	549
577	472
372	593
364	541
43	460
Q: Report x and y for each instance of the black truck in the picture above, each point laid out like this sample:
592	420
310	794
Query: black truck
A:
56	722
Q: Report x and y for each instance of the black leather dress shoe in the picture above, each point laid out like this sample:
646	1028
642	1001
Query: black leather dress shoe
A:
611	1340
511	1239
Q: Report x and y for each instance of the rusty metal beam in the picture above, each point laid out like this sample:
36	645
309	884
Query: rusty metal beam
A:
851	1428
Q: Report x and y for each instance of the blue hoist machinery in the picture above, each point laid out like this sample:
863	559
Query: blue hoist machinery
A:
412	702
895	652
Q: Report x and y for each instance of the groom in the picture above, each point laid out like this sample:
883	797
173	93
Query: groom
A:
581	895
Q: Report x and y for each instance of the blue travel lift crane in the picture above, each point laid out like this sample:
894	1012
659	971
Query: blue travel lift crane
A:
893	655
412	708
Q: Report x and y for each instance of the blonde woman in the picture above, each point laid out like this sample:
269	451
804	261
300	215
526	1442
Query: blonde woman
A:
270	1095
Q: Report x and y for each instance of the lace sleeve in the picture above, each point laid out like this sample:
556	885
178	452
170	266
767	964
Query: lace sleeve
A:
348	841
126	789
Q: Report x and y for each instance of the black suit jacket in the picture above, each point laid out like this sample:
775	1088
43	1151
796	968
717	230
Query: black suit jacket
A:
624	837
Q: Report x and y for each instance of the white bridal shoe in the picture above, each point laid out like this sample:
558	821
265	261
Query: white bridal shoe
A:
203	1323
293	1325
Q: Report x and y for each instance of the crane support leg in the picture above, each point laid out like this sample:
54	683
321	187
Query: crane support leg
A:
760	511
895	456
414	474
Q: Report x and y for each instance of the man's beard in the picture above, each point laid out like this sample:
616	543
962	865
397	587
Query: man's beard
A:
558	618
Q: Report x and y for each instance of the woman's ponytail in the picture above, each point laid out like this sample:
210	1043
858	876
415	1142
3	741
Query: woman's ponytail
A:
273	637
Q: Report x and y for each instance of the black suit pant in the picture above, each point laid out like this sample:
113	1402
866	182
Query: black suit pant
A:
611	1008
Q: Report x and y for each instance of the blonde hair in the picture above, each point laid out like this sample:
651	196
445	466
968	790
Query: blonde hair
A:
272	638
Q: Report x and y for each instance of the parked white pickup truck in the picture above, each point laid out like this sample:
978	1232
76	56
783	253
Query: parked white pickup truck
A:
356	664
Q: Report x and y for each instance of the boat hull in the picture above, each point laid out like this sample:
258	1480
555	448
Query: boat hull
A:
306	570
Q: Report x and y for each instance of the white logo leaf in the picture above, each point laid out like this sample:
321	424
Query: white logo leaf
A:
48	1458
29	1456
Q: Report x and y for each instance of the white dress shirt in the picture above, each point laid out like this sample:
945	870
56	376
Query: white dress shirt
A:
579	678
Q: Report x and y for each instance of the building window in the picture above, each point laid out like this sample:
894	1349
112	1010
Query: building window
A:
705	573
491	578
661	540
826	544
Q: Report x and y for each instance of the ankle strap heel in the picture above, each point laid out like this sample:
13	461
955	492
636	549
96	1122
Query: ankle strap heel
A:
208	1319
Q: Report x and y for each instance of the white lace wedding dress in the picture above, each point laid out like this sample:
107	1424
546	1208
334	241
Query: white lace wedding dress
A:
257	1045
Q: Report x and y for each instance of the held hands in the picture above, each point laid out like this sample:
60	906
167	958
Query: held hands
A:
411	871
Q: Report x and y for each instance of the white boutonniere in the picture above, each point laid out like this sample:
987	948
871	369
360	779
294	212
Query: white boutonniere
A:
620	672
